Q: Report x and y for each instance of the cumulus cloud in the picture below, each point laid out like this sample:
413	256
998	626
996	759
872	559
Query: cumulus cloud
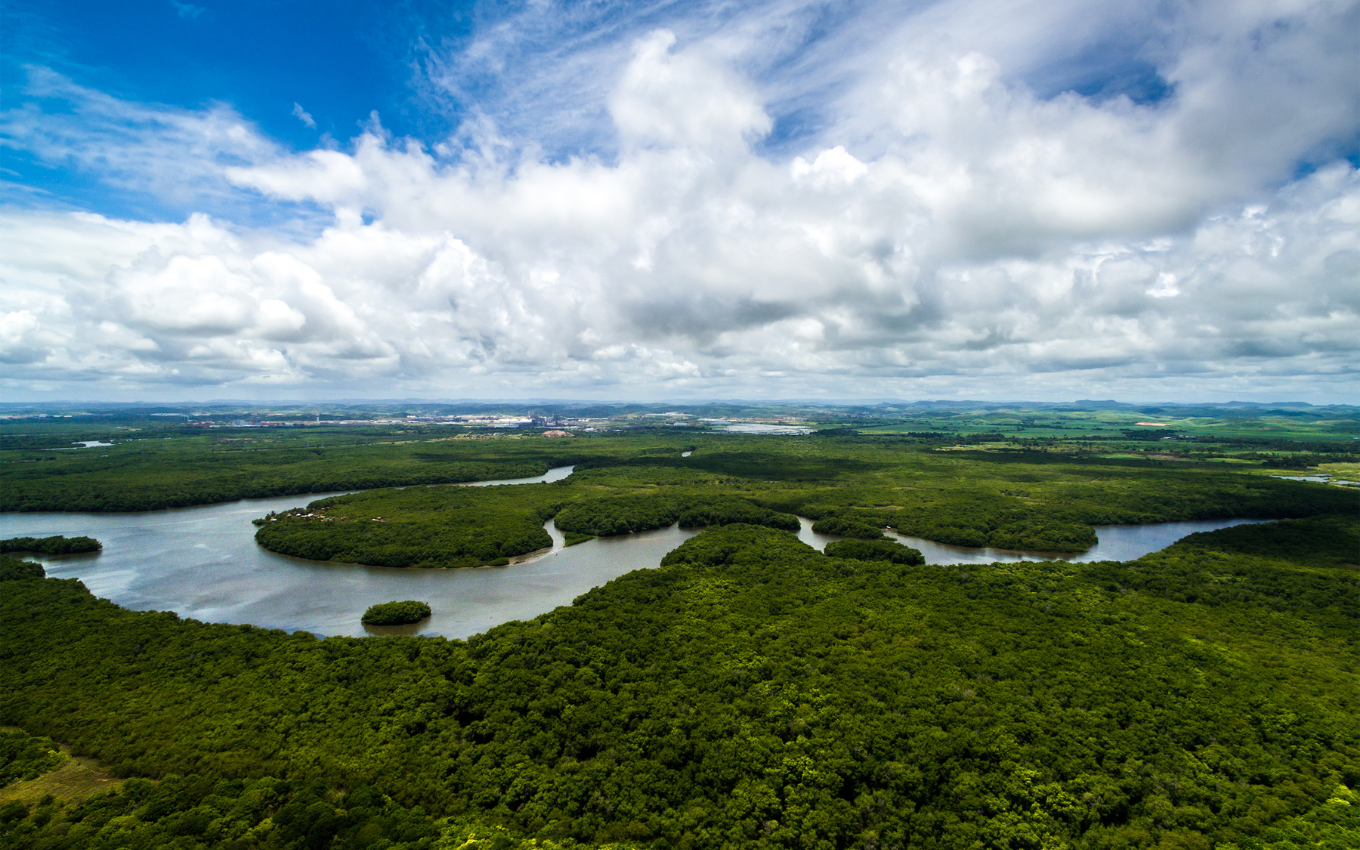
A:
951	231
681	100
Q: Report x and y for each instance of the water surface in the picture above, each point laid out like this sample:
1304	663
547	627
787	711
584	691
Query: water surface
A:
1319	478
557	473
732	427
1114	543
203	562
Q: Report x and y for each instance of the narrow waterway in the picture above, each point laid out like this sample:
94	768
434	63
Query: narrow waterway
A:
1115	543
204	563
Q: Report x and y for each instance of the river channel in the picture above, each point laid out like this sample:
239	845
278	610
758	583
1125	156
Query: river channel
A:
203	563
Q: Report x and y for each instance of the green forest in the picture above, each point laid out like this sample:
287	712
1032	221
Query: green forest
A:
853	487
153	463
54	545
749	692
396	613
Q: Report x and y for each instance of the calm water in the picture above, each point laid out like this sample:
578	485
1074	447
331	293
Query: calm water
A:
1320	478
203	563
557	473
1115	543
758	428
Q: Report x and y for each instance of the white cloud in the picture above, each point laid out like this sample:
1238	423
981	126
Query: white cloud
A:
671	100
175	154
303	115
951	232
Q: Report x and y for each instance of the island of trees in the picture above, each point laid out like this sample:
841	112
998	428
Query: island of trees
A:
55	545
852	487
396	613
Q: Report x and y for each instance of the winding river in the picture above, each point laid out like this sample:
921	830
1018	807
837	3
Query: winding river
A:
203	563
1113	543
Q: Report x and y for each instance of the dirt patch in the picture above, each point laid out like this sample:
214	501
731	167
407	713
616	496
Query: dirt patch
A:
530	556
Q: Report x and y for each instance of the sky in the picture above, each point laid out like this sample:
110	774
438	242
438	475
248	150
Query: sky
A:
656	200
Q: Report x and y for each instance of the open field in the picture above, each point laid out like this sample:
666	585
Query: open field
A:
155	464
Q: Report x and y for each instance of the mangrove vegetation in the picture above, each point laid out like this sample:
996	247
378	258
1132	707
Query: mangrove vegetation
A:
749	692
396	613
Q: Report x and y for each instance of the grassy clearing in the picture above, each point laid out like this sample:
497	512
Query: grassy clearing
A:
1341	470
76	779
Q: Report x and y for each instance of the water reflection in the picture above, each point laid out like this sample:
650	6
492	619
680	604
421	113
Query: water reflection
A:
203	563
557	473
735	427
1115	543
403	631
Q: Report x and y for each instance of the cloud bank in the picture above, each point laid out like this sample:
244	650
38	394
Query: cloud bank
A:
948	229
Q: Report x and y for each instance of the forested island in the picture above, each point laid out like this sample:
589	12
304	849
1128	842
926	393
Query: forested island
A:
750	691
54	545
396	613
851	486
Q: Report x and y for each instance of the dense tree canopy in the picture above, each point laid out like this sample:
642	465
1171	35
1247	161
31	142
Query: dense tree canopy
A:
751	692
850	487
396	613
12	568
55	545
874	550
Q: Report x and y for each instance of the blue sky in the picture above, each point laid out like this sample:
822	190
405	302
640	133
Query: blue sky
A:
964	198
262	57
308	74
340	61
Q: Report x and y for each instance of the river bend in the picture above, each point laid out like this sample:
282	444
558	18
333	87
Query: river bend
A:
203	562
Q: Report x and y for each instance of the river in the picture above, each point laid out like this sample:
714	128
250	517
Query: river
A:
1114	543
203	563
